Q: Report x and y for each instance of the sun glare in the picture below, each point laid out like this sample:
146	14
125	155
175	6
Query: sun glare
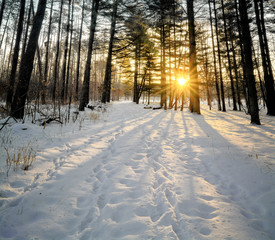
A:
182	81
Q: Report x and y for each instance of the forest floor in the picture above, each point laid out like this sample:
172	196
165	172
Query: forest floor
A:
135	173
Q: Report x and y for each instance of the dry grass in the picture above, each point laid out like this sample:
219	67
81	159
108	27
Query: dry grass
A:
20	157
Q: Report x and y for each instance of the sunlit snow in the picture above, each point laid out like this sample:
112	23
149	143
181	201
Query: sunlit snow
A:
135	173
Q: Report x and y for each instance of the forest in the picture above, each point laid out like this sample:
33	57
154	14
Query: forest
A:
137	119
181	52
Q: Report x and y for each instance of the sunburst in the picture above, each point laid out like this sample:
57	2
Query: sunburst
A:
182	81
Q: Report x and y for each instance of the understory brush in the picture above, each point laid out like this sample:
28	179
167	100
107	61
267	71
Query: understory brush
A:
18	144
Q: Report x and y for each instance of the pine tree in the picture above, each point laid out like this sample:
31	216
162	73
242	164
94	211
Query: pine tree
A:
84	99
193	73
247	43
26	66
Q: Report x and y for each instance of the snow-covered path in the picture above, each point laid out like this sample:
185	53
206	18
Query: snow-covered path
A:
144	174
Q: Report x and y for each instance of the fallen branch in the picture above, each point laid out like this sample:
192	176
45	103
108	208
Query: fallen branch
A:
51	120
6	122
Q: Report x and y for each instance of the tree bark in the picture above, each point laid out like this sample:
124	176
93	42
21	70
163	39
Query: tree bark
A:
3	5
193	72
108	72
84	99
266	63
219	57
229	59
45	83
215	60
247	43
55	77
64	67
16	53
26	66
70	53
79	53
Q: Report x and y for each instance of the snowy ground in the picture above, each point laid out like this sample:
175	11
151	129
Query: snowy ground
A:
143	174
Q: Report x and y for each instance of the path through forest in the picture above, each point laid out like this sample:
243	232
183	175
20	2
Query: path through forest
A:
144	174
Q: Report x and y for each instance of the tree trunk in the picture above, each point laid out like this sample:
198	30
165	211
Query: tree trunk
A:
69	57
266	63
64	67
84	99
229	59
79	53
219	57
244	81
247	43
45	83
163	97
3	5
236	71
30	13
6	27
135	98
215	61
55	77
108	72
16	53
193	73
26	66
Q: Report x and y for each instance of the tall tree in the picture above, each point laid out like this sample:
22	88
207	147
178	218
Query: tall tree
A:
228	57
16	53
247	43
64	67
266	62
84	99
219	57
3	5
214	57
55	78
108	72
193	72
26	66
46	69
79	52
70	53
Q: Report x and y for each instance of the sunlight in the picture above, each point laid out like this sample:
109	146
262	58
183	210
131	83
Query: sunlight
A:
182	81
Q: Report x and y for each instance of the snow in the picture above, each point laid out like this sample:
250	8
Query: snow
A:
135	173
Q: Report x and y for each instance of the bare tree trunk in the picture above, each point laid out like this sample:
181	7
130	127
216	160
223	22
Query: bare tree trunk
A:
229	59
236	72
219	57
266	63
26	66
135	99
84	99
215	60
193	72
244	80
64	67
6	27
79	54
108	72
69	57
16	53
3	5
163	94
45	83
30	13
247	43
55	78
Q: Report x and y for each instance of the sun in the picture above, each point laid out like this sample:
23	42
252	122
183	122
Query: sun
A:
182	81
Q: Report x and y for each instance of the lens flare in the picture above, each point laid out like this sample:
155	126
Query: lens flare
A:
182	81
